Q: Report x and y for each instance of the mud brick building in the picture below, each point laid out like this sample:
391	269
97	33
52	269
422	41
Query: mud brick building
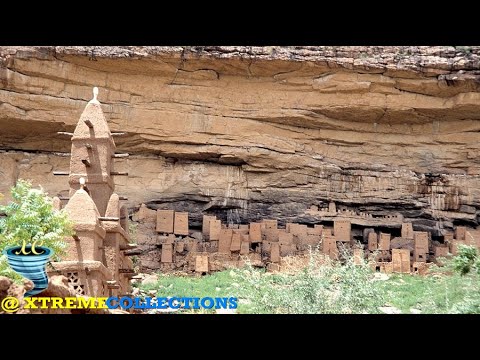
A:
264	243
96	263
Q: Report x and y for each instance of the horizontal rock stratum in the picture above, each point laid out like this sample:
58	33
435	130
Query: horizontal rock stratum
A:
258	132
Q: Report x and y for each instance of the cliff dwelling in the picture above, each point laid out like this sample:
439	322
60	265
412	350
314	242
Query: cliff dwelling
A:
221	155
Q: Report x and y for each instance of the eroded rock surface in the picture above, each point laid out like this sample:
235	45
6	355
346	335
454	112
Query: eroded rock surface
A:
258	132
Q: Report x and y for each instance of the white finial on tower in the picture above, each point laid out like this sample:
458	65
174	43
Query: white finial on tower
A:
95	94
82	182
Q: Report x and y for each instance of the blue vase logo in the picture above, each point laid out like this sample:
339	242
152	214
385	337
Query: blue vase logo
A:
31	265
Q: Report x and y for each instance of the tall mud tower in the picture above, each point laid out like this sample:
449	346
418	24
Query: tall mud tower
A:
92	151
96	263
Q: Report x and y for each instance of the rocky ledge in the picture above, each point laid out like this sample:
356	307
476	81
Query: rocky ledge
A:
259	132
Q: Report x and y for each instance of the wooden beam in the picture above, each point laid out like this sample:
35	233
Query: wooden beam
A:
116	156
118	134
64	133
133	252
120	173
61	173
126	271
123	198
108	218
128	247
89	123
112	285
86	162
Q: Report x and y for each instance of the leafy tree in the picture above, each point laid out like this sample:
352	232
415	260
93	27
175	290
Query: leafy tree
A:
32	219
466	259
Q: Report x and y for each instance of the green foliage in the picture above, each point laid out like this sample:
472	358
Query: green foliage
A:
438	293
464	49
321	287
6	270
470	304
216	284
31	217
465	260
450	289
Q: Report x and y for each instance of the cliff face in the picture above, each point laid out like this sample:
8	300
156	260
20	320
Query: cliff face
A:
249	133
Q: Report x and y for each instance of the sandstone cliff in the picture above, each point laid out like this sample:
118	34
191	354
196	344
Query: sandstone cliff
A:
256	132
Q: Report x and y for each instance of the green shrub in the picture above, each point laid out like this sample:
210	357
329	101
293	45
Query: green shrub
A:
465	260
322	286
32	219
6	270
469	305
